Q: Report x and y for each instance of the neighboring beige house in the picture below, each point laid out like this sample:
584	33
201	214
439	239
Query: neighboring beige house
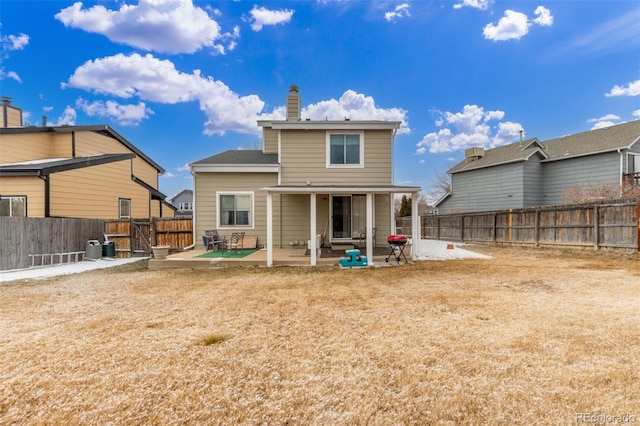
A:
74	171
332	179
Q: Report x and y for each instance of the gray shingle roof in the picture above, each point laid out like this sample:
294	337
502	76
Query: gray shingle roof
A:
240	156
621	136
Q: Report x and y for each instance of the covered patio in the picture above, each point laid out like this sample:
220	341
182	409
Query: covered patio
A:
313	191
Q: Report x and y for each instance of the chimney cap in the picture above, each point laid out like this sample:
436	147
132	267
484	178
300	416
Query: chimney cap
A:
293	88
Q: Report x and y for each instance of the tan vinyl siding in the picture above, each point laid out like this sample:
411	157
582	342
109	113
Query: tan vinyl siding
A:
95	191
14	117
60	145
303	159
25	147
90	143
207	185
270	141
30	186
382	219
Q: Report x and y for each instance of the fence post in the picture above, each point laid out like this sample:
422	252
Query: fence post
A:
536	237
596	227
495	227
438	228
462	228
638	221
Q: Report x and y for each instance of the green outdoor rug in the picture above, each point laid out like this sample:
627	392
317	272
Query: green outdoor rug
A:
228	254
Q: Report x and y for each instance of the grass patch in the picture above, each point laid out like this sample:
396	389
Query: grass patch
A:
214	339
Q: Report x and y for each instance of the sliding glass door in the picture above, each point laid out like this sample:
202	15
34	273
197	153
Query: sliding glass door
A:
349	216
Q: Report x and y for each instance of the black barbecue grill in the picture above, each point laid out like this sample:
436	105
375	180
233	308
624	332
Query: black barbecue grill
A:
397	243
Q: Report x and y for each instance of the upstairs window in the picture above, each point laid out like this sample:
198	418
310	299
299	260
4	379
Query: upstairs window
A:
345	150
124	208
13	206
235	210
185	206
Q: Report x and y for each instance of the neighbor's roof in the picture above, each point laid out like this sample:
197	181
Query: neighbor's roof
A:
621	136
54	165
102	129
239	157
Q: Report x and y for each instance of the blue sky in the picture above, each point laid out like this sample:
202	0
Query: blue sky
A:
184	80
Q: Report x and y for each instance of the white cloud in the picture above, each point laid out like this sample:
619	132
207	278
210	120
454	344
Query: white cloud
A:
166	26
636	113
476	4
604	121
544	16
156	80
184	168
10	43
354	106
263	16
14	42
470	129
68	117
401	11
604	118
10	74
515	25
126	115
632	89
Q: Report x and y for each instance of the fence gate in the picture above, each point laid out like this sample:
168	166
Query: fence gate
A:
140	237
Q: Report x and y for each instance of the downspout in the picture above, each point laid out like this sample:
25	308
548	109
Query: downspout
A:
193	218
47	195
621	174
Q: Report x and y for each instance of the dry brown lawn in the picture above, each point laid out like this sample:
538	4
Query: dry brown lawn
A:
531	336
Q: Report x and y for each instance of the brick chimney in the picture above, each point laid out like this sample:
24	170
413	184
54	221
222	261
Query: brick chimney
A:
293	104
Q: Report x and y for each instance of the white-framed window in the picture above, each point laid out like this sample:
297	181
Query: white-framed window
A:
184	206
13	205
345	149
124	208
235	209
633	163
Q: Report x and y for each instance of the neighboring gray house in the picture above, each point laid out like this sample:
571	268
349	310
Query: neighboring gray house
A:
183	202
532	173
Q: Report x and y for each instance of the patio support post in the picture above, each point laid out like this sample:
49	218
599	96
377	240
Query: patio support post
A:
415	226
269	229
312	242
370	241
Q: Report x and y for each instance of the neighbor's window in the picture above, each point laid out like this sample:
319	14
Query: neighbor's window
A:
185	206
235	209
13	205
345	149
124	208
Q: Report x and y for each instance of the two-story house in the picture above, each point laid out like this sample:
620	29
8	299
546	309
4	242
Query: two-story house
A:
533	173
183	202
74	171
321	182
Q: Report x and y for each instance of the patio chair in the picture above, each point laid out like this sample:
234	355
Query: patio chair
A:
211	239
362	238
235	242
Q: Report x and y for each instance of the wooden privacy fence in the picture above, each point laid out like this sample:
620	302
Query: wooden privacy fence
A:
50	239
26	241
614	226
134	237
